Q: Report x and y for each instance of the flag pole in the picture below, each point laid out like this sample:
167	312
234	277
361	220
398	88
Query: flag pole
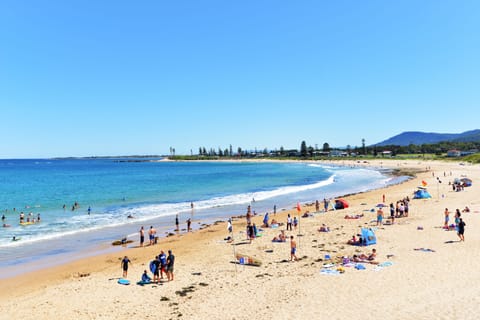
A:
299	210
233	244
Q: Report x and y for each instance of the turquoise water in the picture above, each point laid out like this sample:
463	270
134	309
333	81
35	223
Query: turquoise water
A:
152	192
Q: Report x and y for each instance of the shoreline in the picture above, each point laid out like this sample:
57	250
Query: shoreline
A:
204	251
164	229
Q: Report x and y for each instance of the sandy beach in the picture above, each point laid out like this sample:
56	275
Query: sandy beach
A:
438	282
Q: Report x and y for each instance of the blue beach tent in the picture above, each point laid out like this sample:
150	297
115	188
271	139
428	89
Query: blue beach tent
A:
368	237
421	193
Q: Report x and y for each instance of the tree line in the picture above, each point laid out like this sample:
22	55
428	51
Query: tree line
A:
308	151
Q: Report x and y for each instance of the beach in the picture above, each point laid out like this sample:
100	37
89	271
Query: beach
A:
437	282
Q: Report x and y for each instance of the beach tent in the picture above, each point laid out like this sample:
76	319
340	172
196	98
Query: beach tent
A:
421	193
368	237
341	204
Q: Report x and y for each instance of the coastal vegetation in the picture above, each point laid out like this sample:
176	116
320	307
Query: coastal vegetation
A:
436	151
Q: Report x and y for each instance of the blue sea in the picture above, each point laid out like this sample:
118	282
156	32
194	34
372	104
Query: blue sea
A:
151	192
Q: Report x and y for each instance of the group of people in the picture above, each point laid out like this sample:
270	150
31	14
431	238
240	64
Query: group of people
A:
459	223
29	219
152	236
162	265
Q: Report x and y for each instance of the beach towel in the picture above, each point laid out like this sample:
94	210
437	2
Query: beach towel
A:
424	249
330	272
360	266
382	265
328	265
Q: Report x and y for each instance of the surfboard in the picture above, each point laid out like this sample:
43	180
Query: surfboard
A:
153	267
248	260
123	281
142	283
26	223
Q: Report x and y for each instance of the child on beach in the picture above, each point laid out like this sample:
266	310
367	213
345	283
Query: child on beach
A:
461	229
145	277
447	218
293	249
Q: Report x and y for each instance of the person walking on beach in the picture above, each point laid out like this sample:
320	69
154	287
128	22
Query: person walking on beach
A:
124	265
461	229
293	249
151	234
325	204
142	236
177	228
170	264
317	206
189	225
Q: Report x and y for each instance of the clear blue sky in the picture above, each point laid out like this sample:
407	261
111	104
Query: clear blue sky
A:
81	78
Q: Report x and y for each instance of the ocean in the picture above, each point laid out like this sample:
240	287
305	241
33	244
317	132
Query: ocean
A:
124	194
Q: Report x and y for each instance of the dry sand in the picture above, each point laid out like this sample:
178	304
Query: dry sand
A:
418	285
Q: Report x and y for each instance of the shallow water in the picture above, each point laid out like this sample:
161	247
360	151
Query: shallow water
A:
152	192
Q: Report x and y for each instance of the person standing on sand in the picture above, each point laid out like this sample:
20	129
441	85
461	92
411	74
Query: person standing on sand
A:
156	274
177	228
392	212
124	265
163	263
461	229
317	206
289	222
189	225
379	216
447	218
142	236
170	263
151	235
293	249
325	204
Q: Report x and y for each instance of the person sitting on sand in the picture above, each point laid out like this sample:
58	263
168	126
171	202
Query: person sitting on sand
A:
366	258
145	277
356	216
280	238
466	209
324	228
356	242
353	241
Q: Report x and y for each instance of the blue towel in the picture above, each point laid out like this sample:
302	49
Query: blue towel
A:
360	266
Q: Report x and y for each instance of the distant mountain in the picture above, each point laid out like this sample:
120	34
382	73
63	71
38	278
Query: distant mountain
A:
418	138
